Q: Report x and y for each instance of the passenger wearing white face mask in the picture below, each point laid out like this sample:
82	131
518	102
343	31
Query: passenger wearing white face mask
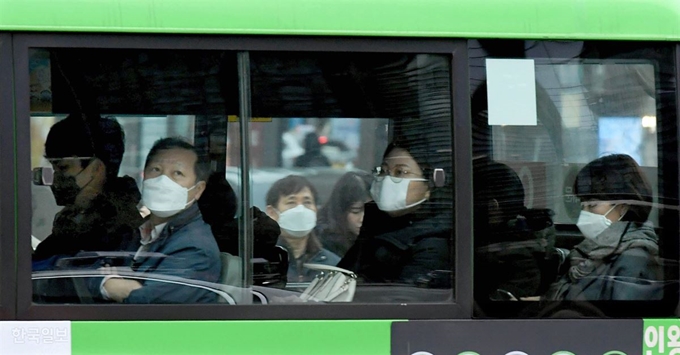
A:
291	202
407	229
618	258
174	180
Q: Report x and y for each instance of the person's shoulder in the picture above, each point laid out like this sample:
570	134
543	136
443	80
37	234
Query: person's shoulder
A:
375	218
195	231
634	260
635	253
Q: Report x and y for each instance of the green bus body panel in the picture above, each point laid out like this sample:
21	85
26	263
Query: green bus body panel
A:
231	337
529	19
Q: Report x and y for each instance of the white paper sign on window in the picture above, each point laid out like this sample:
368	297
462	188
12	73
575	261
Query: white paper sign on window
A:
511	92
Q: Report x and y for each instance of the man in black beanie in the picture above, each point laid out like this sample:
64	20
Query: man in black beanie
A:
100	209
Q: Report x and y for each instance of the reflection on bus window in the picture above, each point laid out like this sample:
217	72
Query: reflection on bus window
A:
572	211
328	120
331	120
89	216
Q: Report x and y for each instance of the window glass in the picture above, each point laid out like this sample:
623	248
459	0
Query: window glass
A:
572	213
137	177
351	156
129	155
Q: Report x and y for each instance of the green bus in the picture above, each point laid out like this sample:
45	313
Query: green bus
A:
532	204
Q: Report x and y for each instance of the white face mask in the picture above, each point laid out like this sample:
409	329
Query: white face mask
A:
164	197
593	224
297	222
391	196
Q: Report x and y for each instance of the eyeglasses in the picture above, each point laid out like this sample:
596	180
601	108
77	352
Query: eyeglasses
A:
397	174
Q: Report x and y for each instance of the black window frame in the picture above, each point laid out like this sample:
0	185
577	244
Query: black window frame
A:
7	188
460	308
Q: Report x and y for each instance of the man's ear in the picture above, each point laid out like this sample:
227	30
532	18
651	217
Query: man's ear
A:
271	212
200	187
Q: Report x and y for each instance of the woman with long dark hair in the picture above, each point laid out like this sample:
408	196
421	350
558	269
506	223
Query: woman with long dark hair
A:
340	219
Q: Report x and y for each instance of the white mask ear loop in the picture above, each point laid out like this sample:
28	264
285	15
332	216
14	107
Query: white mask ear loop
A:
415	203
611	209
624	212
193	199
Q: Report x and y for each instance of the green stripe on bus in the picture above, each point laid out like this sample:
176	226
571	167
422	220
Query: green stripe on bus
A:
354	337
537	19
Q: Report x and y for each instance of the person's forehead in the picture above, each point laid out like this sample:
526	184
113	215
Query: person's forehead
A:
175	156
398	153
304	193
67	161
399	157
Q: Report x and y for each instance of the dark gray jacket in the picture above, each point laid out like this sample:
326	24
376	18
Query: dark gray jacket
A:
314	254
632	272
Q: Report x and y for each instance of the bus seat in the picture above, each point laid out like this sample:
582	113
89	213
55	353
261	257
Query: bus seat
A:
231	270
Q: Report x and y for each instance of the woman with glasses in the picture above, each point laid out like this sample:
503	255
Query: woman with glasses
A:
407	227
618	258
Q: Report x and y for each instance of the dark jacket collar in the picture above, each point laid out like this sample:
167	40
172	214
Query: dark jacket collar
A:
183	218
313	245
180	220
404	231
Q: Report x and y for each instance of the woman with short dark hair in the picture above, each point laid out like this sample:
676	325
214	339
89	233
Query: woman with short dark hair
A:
617	260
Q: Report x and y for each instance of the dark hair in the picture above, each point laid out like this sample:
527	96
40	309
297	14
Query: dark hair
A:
496	181
419	155
289	185
311	142
616	177
429	152
351	188
82	135
200	168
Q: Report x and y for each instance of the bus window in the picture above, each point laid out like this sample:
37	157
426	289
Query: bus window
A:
123	145
572	204
344	158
